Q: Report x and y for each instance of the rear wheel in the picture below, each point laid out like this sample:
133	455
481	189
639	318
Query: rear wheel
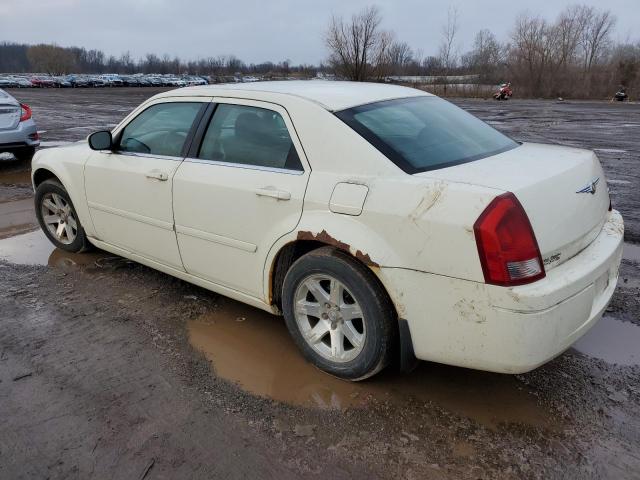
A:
58	218
338	314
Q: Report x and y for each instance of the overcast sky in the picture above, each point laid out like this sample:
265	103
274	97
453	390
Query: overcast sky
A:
257	31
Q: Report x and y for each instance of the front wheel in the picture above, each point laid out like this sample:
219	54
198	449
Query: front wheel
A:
338	314
58	218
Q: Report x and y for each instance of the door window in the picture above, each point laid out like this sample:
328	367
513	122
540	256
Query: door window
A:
249	136
161	129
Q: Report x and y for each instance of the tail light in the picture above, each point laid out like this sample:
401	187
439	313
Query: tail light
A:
25	113
507	246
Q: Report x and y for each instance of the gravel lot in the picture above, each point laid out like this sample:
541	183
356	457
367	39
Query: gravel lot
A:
111	370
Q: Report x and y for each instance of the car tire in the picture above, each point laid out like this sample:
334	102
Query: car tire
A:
58	218
24	154
326	326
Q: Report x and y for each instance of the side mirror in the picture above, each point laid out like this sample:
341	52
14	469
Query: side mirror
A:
101	140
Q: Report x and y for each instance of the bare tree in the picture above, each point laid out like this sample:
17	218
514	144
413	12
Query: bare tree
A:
626	59
400	56
357	47
598	26
486	55
50	59
533	51
569	29
448	53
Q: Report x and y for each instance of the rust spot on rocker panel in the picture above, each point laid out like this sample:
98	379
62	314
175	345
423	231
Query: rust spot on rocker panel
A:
324	237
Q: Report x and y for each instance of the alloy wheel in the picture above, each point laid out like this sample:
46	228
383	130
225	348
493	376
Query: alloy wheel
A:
329	318
59	218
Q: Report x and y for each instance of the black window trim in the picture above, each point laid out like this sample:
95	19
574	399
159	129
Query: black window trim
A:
187	142
201	130
347	117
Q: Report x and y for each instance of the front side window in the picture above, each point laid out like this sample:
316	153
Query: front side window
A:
246	135
161	129
425	133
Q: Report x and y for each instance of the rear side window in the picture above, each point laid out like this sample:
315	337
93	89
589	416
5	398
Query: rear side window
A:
425	133
161	129
246	135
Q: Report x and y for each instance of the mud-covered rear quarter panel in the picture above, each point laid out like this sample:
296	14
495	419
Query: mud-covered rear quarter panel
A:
508	329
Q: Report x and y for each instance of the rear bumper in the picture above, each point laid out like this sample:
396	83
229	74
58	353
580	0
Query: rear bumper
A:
508	330
20	137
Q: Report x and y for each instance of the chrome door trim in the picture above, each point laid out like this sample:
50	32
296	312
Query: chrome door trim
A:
245	167
145	155
212	237
131	216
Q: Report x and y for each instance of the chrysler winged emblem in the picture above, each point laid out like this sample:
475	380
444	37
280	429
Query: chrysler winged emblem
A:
590	187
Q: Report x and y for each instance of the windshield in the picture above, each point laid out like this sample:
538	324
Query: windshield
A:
425	133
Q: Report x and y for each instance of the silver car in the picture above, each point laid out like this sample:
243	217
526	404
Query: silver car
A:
18	133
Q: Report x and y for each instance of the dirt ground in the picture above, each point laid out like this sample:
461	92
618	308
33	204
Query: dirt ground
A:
109	369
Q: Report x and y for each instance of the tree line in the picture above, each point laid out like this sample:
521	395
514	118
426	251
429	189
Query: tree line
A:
573	55
56	60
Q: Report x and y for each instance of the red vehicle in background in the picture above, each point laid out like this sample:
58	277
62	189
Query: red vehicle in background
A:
505	92
42	82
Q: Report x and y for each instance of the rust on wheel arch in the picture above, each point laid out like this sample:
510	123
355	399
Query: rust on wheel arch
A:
327	239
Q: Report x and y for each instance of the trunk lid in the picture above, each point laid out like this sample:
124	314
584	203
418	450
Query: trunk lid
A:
562	189
10	112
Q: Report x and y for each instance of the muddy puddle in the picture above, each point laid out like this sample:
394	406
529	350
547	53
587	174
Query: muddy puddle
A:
16	177
34	248
613	341
253	349
17	217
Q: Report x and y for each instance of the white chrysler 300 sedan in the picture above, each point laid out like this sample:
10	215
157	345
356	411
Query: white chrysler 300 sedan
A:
382	221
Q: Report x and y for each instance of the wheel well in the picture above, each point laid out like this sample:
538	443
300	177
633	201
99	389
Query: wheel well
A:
284	259
41	175
296	249
293	251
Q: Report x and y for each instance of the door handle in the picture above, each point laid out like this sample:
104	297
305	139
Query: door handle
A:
273	193
158	175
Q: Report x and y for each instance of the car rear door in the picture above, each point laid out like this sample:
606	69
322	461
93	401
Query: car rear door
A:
240	189
129	190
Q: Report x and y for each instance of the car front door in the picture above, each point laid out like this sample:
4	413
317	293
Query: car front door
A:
129	189
239	190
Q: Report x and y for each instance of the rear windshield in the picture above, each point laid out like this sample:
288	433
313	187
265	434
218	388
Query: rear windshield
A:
425	133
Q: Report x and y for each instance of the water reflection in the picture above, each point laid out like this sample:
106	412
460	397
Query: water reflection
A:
253	349
34	248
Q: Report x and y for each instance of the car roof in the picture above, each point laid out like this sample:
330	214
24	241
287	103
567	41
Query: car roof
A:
331	95
6	98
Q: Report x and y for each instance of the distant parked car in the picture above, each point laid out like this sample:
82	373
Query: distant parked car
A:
7	82
22	82
77	81
112	80
130	80
18	133
194	81
61	82
42	82
95	81
174	82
